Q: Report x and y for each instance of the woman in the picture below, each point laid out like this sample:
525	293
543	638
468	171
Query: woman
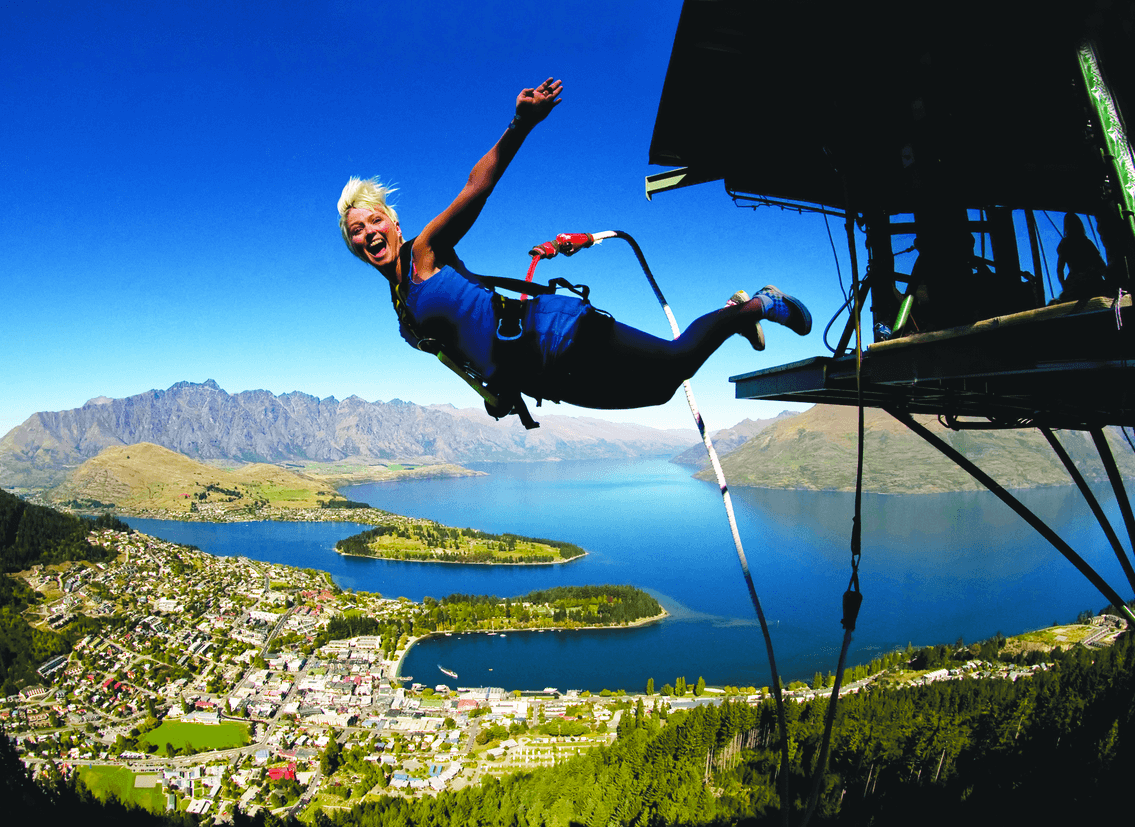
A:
564	349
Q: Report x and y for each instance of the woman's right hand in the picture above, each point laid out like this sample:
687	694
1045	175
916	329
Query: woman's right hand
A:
533	105
448	228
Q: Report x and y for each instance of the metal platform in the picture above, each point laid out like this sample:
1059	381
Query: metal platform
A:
812	102
1065	366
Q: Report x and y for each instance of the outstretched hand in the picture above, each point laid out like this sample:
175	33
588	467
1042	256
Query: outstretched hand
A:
533	105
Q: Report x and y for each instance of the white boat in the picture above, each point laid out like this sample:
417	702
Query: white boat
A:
449	672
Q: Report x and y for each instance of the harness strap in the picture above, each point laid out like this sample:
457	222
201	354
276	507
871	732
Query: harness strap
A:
503	396
535	288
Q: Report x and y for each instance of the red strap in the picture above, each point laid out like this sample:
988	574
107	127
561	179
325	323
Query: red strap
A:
532	271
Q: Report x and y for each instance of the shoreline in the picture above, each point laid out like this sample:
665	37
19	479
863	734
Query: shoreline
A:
461	562
645	621
311	515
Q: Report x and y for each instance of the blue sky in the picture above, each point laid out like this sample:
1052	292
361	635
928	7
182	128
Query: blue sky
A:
171	173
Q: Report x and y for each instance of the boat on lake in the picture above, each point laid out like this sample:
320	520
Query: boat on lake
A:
449	672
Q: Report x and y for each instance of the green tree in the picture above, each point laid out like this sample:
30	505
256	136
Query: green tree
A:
332	756
650	686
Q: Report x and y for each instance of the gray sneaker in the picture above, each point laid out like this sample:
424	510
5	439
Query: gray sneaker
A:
787	310
755	334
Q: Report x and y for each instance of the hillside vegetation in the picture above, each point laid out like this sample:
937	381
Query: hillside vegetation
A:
817	451
35	535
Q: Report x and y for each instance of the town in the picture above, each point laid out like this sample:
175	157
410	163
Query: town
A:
214	683
208	686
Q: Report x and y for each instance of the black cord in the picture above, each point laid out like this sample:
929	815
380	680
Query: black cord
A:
835	255
827	329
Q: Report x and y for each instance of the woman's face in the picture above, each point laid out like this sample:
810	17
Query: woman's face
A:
375	234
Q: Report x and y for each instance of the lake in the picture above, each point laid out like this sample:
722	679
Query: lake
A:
934	568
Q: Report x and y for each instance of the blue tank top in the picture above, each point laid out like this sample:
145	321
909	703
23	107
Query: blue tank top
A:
454	308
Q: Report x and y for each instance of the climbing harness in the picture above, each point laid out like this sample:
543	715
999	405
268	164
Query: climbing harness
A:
502	395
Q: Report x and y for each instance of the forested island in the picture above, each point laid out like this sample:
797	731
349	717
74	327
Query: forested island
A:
561	607
424	541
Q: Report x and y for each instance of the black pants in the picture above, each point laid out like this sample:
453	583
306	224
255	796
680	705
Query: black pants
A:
614	366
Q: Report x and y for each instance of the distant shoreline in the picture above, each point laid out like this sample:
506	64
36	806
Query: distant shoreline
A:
297	515
645	621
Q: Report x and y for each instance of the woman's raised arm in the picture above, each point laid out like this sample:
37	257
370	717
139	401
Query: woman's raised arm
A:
448	228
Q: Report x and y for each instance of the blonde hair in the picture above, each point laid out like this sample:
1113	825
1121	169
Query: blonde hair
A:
363	194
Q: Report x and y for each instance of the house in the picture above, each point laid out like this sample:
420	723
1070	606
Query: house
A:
287	773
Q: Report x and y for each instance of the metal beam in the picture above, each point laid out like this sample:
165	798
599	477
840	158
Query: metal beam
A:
1032	519
675	179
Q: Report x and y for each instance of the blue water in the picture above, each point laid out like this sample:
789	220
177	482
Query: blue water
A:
935	568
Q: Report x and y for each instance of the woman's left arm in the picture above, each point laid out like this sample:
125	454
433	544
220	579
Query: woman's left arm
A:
448	228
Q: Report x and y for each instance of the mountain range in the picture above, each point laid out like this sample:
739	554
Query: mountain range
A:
354	440
206	423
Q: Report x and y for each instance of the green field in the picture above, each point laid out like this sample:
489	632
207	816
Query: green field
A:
200	737
105	782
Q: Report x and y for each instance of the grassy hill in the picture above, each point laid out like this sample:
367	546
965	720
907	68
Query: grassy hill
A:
817	450
145	477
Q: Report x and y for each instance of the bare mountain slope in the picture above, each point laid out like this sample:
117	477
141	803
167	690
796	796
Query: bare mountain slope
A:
728	440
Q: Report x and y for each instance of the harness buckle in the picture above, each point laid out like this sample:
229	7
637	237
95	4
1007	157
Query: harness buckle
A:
505	337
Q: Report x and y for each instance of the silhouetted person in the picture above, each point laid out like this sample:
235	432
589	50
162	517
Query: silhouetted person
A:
1085	265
